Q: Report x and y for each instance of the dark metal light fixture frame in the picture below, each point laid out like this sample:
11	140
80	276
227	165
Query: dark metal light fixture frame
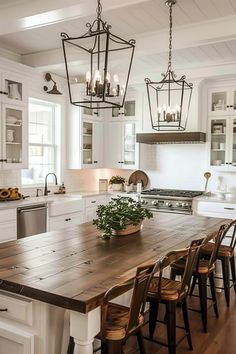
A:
54	90
169	120
101	96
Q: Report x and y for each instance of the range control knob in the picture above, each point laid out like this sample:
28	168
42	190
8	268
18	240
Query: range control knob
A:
185	205
169	204
178	204
143	201
155	203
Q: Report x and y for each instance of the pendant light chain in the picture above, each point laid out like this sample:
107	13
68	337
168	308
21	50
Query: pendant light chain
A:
99	10
170	40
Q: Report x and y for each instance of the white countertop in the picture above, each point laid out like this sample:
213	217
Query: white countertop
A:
215	198
54	198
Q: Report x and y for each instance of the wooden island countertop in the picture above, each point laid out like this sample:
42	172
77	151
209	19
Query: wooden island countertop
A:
73	268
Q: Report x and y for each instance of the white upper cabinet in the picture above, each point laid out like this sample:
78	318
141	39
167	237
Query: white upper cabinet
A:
222	101
13	121
128	111
13	89
92	144
13	141
121	149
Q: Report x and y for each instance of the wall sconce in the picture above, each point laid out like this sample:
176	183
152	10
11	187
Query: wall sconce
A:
54	90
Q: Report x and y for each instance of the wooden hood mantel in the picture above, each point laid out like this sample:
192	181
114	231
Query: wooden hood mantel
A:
171	138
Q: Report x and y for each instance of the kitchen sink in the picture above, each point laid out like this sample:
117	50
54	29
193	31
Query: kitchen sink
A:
60	205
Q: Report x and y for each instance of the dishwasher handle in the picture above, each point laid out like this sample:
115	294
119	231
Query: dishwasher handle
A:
26	210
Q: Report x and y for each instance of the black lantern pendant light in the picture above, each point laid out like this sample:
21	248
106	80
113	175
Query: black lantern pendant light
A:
92	62
169	99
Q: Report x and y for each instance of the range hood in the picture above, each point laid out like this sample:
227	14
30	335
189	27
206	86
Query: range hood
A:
171	138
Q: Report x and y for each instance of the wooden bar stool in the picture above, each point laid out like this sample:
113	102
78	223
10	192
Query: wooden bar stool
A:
171	292
226	256
120	322
203	270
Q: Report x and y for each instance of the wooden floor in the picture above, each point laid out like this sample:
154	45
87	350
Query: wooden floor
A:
220	339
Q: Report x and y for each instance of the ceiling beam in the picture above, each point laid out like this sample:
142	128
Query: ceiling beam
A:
35	14
204	33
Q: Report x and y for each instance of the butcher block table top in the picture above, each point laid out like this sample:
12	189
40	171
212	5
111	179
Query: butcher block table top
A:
73	268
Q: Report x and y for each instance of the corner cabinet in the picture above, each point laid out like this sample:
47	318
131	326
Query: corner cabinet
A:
222	138
121	148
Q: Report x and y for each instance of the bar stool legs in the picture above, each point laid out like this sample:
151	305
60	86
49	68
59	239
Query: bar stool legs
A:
186	323
226	278
171	326
153	311
233	271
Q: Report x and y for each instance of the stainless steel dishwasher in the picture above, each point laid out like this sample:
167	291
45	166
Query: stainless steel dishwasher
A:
31	220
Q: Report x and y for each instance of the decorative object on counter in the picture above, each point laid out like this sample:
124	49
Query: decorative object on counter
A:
103	185
8	194
54	90
97	48
62	189
207	175
129	187
122	216
117	183
10	135
139	187
169	99
139	176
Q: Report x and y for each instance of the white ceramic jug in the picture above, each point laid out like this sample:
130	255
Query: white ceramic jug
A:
14	92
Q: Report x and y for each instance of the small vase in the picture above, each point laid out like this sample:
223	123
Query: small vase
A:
130	229
10	135
117	186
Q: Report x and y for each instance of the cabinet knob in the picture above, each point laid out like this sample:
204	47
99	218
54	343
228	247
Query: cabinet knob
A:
69	219
3	310
3	93
95	161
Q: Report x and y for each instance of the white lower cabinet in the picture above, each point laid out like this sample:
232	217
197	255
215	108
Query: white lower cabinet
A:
215	209
13	340
61	221
91	205
8	228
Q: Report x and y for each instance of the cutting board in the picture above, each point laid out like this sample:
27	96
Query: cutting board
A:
139	176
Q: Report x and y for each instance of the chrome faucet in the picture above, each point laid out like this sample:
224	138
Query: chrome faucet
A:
46	191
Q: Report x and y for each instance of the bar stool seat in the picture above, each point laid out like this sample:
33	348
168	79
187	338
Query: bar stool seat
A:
170	289
204	266
224	251
117	320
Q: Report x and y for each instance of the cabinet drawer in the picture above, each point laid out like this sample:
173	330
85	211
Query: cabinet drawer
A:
227	210
7	215
62	221
94	201
18	309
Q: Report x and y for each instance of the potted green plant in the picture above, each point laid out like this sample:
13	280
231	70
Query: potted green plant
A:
117	183
122	216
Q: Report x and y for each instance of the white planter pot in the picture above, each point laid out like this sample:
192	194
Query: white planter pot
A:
117	187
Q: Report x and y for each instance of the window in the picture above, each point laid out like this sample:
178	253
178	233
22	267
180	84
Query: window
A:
43	130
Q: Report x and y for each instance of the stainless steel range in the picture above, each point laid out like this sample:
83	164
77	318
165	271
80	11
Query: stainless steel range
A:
169	200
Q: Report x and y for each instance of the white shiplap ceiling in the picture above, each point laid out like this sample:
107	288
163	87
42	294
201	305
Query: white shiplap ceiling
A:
139	20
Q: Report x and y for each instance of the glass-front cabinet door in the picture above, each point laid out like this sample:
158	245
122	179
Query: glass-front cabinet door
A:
222	101
232	151
87	143
130	146
13	89
129	110
218	131
14	138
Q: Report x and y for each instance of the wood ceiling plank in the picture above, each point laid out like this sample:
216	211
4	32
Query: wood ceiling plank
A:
208	8
224	7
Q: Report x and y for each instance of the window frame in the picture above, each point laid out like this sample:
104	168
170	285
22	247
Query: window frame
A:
57	140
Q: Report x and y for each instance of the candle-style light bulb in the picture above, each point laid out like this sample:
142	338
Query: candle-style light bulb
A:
97	76
116	79
88	76
108	77
159	109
